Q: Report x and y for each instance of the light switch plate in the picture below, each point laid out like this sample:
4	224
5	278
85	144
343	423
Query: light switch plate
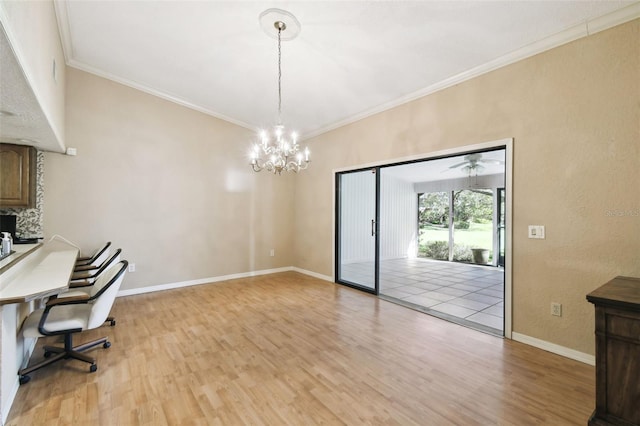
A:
536	231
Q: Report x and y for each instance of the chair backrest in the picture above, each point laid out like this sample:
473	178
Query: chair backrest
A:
100	255
115	257
104	292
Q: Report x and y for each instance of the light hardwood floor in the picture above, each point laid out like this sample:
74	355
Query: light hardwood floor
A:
290	349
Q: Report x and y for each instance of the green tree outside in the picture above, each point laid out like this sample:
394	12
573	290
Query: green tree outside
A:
473	216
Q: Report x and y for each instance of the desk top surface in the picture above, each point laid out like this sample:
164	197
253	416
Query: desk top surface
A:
45	271
20	252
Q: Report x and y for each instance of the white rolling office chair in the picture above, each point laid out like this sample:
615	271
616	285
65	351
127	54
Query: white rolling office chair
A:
68	315
81	282
86	277
94	261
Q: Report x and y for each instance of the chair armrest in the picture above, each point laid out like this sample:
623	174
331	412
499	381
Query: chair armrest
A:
80	268
67	300
81	275
80	283
70	293
60	301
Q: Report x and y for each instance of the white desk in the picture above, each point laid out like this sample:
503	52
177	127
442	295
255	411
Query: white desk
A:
45	270
35	271
21	251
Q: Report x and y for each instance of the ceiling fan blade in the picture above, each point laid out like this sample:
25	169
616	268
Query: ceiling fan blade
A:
491	161
455	166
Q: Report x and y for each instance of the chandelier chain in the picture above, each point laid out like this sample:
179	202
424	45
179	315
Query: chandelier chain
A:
279	77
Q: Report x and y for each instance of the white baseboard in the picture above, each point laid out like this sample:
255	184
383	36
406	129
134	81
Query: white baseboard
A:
170	286
556	349
312	274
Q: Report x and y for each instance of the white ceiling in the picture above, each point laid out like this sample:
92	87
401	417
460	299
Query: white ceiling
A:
351	59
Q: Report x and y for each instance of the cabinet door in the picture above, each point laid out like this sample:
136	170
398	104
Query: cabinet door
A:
17	176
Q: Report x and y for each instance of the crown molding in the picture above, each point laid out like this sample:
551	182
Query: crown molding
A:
158	93
64	30
615	18
62	16
576	32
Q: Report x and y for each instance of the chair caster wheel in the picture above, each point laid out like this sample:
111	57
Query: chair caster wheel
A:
24	379
106	345
113	323
47	354
93	368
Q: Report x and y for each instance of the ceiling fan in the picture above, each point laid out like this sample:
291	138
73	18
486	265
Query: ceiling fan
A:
474	163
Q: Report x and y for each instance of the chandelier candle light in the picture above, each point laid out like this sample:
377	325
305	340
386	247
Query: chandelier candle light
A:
276	149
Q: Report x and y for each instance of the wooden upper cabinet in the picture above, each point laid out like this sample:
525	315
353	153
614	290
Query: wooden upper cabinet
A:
17	176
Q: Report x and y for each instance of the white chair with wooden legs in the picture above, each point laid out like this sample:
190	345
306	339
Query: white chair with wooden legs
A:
68	315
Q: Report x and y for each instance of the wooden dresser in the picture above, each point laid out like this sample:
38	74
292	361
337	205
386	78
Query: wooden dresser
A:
617	305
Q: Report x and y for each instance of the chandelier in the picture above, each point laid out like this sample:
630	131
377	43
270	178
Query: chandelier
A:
276	149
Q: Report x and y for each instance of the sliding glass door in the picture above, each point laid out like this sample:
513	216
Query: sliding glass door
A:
357	226
452	264
501	225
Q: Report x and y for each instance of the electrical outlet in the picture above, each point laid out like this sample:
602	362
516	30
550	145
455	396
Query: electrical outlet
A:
556	309
132	267
272	252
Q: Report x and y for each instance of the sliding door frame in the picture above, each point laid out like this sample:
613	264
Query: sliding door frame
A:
375	230
507	144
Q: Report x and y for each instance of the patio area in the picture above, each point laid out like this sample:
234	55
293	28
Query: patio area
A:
470	295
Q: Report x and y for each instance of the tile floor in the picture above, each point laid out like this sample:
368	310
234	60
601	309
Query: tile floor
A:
470	295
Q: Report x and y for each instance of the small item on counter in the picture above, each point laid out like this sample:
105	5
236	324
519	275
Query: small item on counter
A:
6	243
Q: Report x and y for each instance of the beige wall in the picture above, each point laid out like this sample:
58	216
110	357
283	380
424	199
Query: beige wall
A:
149	172
574	115
169	185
